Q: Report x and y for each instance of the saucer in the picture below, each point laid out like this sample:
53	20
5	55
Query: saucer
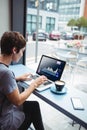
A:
63	91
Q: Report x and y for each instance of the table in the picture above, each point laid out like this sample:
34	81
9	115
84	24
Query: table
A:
60	102
64	52
82	50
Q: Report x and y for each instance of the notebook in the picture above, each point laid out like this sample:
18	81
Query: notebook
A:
52	68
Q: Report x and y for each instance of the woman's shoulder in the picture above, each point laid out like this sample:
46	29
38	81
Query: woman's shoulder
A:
5	71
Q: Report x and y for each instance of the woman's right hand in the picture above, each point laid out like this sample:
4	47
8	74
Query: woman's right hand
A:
40	80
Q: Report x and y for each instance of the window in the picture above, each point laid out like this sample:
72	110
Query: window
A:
53	15
31	3
31	23
52	5
50	24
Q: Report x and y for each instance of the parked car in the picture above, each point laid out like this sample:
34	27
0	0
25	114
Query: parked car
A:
54	35
43	31
79	35
67	35
42	35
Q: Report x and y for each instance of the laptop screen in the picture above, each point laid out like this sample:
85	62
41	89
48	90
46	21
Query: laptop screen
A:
52	68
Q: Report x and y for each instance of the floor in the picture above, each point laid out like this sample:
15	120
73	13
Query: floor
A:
53	119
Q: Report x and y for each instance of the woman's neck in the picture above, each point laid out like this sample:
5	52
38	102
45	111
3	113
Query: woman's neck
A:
5	59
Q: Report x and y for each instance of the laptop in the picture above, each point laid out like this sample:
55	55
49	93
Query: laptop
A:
52	68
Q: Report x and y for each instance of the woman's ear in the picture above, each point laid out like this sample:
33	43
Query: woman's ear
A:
14	50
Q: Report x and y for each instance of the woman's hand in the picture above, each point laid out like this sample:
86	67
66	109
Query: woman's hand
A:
39	81
24	77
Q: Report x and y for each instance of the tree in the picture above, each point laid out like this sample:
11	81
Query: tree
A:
72	22
80	22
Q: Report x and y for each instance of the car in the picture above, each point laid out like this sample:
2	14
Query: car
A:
54	35
79	35
67	35
43	31
42	35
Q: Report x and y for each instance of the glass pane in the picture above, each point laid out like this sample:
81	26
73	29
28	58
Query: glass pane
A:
48	20
52	21
53	15
33	18
29	18
33	27
28	28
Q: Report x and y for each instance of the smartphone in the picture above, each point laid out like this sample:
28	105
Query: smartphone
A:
77	104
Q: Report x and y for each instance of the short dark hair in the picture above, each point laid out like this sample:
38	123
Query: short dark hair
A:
11	39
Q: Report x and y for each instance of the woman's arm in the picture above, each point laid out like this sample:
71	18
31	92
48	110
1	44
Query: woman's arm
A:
18	98
23	77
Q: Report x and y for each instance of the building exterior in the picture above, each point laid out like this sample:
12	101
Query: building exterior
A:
85	9
54	14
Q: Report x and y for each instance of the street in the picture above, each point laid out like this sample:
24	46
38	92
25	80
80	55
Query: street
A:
48	47
44	47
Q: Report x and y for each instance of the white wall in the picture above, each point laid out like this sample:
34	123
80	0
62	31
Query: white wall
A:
82	7
4	16
45	14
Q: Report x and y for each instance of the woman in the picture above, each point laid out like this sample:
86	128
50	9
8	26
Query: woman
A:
15	111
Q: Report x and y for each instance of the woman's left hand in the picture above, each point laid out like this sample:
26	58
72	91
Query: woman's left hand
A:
24	77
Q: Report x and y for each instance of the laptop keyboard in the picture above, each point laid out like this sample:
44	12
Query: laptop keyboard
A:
47	83
34	76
